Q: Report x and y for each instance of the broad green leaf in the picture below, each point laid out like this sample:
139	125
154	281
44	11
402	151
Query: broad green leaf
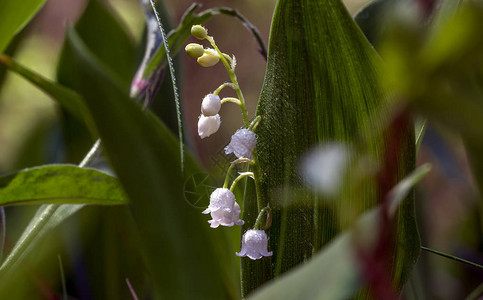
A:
185	258
322	84
335	272
60	184
106	36
14	15
65	97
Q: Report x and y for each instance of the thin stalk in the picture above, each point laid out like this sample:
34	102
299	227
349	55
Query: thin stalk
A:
232	165
266	210
240	177
62	278
455	258
224	85
96	149
233	78
231	99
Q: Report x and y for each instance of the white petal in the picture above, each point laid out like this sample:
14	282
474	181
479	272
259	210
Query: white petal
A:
221	198
208	125
242	143
254	244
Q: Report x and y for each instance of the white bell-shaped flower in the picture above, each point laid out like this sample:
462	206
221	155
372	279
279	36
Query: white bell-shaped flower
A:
223	208
211	105
242	143
254	244
208	125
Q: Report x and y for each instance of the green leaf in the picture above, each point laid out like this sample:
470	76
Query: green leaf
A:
322	84
60	184
335	272
65	97
370	18
106	36
145	156
14	15
47	218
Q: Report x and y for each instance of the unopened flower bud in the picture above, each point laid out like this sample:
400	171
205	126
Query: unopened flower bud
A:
208	125
199	32
209	58
211	105
194	50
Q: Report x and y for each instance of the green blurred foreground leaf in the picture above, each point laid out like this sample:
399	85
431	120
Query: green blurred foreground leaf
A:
47	218
65	97
335	272
59	184
185	258
14	15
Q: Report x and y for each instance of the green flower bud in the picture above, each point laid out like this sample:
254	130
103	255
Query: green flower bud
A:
194	50
199	32
209	58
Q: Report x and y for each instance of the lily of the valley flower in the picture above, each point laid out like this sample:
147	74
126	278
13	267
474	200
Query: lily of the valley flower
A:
208	125
254	244
242	143
223	208
211	105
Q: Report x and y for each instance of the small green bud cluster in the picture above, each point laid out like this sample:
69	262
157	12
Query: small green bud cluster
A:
206	57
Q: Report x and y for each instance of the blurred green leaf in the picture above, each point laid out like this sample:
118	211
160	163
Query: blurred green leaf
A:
47	218
335	272
322	84
439	73
64	96
10	51
14	15
370	17
59	184
102	31
145	156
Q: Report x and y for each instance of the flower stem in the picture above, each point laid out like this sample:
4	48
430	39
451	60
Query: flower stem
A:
233	78
224	85
230	99
232	165
96	149
452	257
240	177
265	210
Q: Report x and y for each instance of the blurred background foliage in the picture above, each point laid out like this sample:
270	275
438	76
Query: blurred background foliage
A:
32	131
